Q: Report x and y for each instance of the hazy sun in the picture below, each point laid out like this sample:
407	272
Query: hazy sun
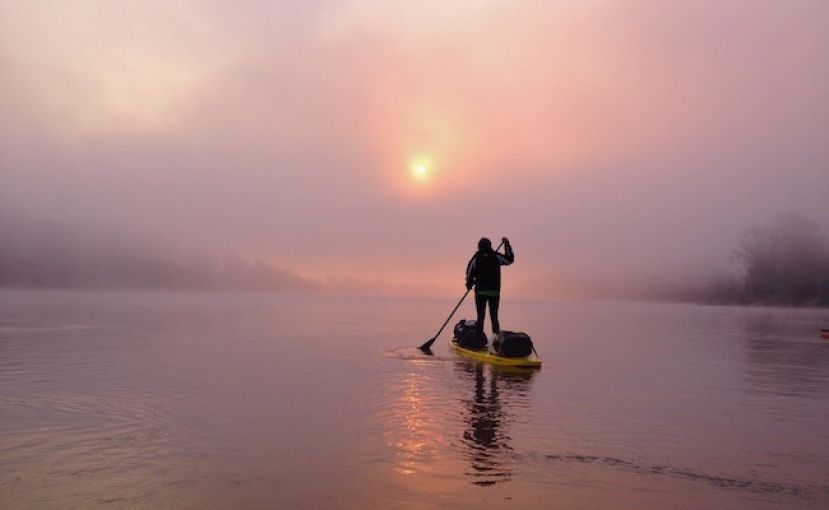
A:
421	169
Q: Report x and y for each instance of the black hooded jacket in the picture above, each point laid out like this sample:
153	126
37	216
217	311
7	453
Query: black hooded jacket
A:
484	269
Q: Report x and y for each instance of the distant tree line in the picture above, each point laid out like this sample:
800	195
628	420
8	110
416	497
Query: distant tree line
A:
46	254
785	262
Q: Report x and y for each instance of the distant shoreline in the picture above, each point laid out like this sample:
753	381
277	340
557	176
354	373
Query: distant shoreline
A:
375	295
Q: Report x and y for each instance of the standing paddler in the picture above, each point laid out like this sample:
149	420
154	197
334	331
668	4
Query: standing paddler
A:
484	273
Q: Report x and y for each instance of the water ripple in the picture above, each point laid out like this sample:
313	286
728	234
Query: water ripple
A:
726	482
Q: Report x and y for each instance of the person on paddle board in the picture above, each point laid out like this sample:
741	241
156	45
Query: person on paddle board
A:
484	273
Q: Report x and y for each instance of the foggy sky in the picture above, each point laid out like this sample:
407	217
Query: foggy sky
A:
614	142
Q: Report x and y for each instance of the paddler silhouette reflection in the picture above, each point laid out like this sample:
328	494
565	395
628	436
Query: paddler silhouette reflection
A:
500	397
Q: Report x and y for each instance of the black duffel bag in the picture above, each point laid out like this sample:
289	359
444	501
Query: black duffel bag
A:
466	332
513	344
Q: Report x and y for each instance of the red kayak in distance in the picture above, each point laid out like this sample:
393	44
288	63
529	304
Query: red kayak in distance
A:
824	333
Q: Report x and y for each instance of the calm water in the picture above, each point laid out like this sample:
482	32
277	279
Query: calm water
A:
185	401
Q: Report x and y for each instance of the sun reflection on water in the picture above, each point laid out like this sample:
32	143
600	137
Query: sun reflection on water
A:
463	429
409	440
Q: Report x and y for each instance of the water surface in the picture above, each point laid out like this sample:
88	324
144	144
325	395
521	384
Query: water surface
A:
156	400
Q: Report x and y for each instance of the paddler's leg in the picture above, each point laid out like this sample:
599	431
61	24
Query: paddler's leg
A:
480	307
494	301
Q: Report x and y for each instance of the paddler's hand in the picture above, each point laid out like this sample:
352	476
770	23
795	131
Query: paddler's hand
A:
505	240
468	285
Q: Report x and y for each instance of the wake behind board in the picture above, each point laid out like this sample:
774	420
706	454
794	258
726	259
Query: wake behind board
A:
531	361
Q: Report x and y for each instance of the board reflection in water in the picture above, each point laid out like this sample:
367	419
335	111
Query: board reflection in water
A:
497	398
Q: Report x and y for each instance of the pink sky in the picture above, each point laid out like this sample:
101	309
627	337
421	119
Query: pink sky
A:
613	141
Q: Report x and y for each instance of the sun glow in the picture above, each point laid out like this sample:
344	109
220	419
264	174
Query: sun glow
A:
421	169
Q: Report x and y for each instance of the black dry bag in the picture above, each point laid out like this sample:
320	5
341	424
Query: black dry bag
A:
513	344
466	332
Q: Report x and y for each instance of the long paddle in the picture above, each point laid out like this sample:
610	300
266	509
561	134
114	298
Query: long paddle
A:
427	347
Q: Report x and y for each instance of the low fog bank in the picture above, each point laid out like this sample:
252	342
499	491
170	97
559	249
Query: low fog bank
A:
785	261
48	254
782	262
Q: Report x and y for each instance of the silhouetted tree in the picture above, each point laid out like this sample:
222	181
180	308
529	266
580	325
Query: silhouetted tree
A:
786	262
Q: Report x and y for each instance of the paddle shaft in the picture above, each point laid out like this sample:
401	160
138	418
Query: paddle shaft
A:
451	314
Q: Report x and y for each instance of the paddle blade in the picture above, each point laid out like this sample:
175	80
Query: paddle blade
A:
427	347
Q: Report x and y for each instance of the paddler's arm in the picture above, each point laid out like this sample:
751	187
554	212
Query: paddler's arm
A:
508	257
470	273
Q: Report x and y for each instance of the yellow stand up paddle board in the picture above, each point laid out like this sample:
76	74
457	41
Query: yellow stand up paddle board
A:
485	355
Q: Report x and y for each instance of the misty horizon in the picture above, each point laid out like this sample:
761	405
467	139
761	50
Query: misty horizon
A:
94	260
